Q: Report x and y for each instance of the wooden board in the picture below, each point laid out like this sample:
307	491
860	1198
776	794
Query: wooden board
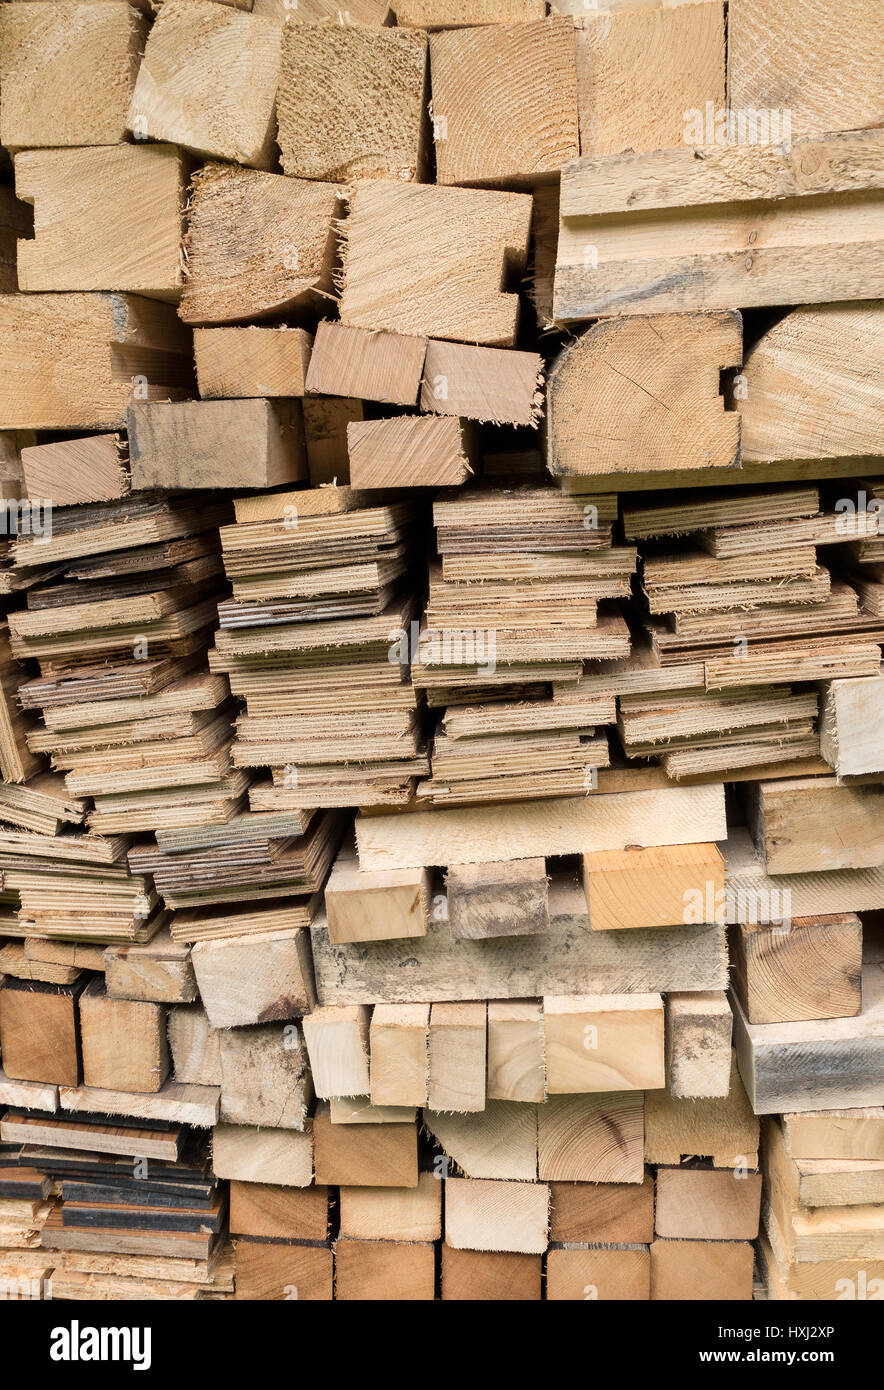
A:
794	405
815	1065
807	196
660	377
408	451
605	1275
409	1214
248	443
427	260
477	383
67	75
497	900
399	1054
484	1215
457	1052
835	1134
370	122
86	469
722	1128
657	887
174	1102
207	81
279	1213
807	969
500	1142
337	1046
123	1041
281	1157
851	725
38	1033
257	245
817	68
516	1051
707	1204
261	978
355	362
379	1270
58	355
602	1213
523	76
605	1042
475	835
252	361
596	1138
698	1044
681	50
364	1155
274	1271
104	219
265	1078
702	1270
489	1275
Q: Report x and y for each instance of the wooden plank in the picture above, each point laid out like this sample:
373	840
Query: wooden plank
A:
265	1079
851	724
174	1102
104	219
325	428
657	887
478	383
701	1270
195	1046
525	75
251	362
602	1213
815	1065
159	970
761	897
355	362
371	123
485	1215
682	52
792	405
799	824
38	1032
375	906
70	471
569	956
599	1275
835	1134
67	75
810	968
207	81
358	1110
257	979
817	67
427	260
799	259
281	1157
456	14
516	1051
364	1155
337	1045
457	1052
698	1044
821	1182
399	1054
411	1214
603	1042
497	900
376	1270
571	825
594	1138
500	1142
189	444
258	245
123	1041
408	451
660	375
274	1271
721	1128
489	1275
707	1204
28	1095
279	1213
59	354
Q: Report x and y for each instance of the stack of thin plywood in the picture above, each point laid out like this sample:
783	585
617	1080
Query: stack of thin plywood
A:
528	588
740	613
316	641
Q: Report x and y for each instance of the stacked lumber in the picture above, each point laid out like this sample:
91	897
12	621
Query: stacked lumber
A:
441	626
310	639
526	592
